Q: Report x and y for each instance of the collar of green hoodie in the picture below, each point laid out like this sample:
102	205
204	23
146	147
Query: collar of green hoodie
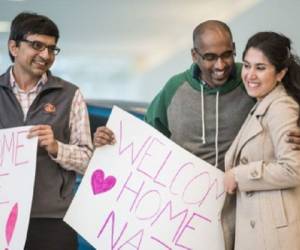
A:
234	80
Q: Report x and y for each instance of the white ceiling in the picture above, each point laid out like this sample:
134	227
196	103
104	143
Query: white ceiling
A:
105	42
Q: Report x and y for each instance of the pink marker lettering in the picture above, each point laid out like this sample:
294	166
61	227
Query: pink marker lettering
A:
161	243
180	170
155	198
154	150
132	190
18	147
204	181
218	194
113	242
156	177
7	147
135	240
187	226
151	170
130	146
169	210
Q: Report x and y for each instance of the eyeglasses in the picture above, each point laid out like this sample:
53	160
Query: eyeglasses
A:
212	57
39	46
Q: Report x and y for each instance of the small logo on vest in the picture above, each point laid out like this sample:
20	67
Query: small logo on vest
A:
49	108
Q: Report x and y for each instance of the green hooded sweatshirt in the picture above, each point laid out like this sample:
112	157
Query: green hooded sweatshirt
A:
201	119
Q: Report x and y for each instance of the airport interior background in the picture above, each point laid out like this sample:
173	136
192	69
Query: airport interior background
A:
127	49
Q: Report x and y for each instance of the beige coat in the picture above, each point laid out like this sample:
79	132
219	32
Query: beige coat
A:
268	176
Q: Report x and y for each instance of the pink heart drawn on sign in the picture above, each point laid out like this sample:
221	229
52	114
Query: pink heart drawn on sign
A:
11	223
101	184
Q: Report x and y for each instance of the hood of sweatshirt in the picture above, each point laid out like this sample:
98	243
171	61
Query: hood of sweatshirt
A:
192	76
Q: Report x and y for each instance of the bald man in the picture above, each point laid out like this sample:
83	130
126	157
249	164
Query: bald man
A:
203	108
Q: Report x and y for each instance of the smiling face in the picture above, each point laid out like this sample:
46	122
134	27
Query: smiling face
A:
259	75
218	42
29	62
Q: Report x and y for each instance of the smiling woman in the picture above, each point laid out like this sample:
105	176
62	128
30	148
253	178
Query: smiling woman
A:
260	166
259	75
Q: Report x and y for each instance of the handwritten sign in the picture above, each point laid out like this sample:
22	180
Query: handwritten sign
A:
17	171
145	192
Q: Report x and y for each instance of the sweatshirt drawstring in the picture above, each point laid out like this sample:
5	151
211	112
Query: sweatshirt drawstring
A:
217	130
202	115
217	124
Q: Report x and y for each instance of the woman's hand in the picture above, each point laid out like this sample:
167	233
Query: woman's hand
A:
293	137
230	184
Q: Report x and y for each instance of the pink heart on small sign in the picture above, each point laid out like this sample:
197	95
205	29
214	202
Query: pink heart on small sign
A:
11	223
101	184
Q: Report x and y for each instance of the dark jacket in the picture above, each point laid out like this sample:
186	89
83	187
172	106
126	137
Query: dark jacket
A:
53	189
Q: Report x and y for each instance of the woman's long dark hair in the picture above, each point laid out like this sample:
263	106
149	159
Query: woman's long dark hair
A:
277	48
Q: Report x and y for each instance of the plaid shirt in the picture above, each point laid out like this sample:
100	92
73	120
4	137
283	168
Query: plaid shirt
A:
75	155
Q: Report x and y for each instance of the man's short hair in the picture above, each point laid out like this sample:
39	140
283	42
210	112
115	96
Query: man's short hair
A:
210	24
27	23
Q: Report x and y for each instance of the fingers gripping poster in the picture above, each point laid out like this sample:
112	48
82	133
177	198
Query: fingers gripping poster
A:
17	172
146	192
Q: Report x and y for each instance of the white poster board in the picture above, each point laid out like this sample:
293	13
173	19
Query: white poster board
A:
145	192
17	172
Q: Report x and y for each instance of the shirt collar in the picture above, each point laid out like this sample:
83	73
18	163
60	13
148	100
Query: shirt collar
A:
42	81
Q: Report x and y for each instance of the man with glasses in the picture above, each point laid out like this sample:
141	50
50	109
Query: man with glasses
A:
31	95
203	108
